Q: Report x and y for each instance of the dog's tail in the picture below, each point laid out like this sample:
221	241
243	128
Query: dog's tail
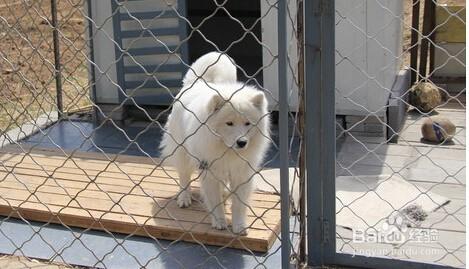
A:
213	67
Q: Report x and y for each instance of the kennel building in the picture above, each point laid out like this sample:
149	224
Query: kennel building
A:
146	46
152	46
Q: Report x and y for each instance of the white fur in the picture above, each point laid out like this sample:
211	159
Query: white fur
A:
197	131
213	67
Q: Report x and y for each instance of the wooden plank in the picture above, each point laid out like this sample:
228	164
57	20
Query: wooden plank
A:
125	197
64	194
162	209
201	234
104	179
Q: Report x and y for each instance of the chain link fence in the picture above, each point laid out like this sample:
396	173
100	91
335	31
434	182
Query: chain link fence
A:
200	134
108	119
401	110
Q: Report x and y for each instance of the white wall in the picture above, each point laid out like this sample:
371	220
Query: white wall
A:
368	54
368	46
104	54
270	51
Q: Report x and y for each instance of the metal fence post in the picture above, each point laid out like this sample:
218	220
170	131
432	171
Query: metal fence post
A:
301	123
58	68
283	131
429	12
319	29
414	43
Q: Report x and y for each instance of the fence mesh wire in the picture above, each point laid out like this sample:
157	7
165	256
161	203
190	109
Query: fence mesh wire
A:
398	194
103	78
120	66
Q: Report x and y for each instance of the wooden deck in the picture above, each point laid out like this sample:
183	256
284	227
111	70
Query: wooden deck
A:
439	168
128	196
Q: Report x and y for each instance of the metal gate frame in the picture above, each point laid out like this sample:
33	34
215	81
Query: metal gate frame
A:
319	58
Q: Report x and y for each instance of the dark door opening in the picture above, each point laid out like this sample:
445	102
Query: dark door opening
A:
222	27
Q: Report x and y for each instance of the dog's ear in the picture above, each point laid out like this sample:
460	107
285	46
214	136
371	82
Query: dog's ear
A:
215	103
258	100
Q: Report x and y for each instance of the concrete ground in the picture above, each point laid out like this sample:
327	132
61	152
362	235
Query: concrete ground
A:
440	168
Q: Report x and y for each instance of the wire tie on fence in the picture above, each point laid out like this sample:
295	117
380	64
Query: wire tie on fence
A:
203	165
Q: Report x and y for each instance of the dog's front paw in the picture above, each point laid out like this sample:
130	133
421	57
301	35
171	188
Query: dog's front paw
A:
219	224
240	228
184	199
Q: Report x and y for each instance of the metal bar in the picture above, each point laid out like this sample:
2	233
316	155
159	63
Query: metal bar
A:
319	29
116	28
283	131
58	68
432	38
152	68
301	109
151	83
148	15
312	62
327	128
414	39
351	260
91	52
428	13
150	32
151	51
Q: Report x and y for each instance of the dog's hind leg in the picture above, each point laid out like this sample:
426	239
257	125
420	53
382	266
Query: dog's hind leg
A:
213	199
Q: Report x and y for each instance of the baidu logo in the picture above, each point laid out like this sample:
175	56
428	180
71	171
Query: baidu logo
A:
396	230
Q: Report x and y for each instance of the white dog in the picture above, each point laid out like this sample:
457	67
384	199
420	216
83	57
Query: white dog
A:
222	127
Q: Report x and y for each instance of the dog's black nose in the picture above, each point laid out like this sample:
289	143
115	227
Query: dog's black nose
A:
241	143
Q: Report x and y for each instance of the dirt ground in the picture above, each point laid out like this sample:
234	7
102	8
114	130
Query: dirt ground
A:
27	84
16	262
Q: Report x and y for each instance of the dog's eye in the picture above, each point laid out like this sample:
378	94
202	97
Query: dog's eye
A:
230	123
247	123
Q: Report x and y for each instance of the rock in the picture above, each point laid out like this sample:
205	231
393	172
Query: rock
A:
415	213
438	129
425	96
